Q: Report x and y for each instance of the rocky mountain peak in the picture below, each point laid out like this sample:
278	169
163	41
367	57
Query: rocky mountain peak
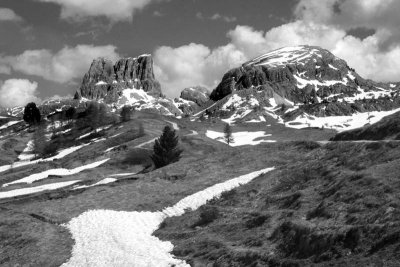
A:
106	80
301	82
305	74
197	94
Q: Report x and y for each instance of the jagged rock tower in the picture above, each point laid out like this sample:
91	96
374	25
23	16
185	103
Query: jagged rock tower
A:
106	80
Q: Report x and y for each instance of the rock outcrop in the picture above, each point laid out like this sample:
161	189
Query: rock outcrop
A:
106	80
197	94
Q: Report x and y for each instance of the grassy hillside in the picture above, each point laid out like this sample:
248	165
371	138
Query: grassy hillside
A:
334	206
316	195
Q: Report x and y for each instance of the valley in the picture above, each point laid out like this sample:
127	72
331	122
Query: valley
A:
308	177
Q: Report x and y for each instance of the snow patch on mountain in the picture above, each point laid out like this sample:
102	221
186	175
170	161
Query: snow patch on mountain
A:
35	189
340	123
62	172
8	124
101	182
301	83
241	138
286	55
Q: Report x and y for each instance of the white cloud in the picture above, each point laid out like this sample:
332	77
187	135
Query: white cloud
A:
193	64
63	66
7	14
116	10
216	16
350	14
18	92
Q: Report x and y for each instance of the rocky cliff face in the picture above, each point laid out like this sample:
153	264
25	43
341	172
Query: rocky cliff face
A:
106	80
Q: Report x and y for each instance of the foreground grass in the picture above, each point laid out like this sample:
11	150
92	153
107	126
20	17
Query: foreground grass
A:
336	205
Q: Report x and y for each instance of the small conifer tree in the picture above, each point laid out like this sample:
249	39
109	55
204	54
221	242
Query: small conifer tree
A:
228	134
125	113
166	150
32	114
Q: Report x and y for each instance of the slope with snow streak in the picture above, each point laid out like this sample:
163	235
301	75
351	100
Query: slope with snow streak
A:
60	155
42	175
27	153
36	189
8	124
340	123
120	238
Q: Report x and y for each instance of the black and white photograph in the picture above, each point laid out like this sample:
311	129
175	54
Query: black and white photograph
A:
203	133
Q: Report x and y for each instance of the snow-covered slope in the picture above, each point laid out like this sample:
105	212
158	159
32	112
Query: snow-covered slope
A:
300	82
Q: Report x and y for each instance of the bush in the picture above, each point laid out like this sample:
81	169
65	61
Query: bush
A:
138	157
208	214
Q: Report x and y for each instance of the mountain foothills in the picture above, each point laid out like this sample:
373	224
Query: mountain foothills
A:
292	160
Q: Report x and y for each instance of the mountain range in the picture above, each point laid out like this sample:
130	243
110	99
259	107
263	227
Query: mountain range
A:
302	86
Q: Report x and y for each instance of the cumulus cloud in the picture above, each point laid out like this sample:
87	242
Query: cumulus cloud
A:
7	14
193	64
116	10
63	66
349	14
18	92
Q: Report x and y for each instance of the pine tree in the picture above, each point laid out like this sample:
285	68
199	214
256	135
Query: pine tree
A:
166	150
228	134
125	113
31	114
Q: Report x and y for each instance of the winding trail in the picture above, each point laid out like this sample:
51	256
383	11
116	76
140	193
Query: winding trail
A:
121	238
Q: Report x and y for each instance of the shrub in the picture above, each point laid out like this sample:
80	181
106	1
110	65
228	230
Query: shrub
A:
166	150
208	214
138	157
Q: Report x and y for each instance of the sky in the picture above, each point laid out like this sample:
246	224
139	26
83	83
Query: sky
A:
46	46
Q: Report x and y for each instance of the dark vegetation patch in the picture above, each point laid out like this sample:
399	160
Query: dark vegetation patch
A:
337	205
